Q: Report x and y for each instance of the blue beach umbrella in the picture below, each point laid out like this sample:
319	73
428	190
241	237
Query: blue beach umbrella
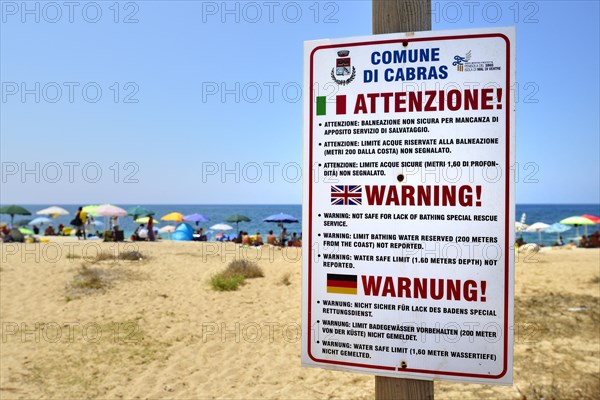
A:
281	218
197	218
40	221
557	228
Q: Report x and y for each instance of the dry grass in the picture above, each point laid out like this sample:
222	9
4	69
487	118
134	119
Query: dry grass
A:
132	256
90	279
121	256
245	268
285	279
104	256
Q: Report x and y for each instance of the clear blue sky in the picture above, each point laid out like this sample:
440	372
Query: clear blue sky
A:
161	120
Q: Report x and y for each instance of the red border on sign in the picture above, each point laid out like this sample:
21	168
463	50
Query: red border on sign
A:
506	208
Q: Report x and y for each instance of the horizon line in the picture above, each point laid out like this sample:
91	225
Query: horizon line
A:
252	204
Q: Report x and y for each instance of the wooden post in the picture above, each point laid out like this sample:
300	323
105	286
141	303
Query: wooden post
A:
391	16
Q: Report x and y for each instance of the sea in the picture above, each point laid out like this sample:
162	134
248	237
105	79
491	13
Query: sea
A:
547	213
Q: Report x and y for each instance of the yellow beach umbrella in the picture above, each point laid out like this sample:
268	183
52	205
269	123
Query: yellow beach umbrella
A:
91	210
174	216
577	221
144	220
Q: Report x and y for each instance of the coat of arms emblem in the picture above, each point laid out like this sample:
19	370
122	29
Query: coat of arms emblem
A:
343	73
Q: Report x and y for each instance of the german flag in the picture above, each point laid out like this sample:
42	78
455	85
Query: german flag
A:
344	284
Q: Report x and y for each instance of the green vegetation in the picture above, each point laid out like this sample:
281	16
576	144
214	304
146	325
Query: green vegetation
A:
235	275
222	283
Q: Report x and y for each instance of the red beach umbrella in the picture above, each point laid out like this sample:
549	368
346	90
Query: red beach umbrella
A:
592	218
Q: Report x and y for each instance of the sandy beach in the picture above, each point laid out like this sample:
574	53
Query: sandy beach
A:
154	328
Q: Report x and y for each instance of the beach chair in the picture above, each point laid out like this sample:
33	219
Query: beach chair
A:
109	236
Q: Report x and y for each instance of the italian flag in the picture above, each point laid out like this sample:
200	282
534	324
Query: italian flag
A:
340	105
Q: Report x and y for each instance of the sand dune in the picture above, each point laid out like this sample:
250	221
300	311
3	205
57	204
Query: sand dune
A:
156	329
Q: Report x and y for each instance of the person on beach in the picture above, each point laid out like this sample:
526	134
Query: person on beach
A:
136	233
258	240
12	235
90	223
594	239
151	236
246	241
271	239
559	242
583	242
114	224
238	238
79	223
49	231
283	237
296	241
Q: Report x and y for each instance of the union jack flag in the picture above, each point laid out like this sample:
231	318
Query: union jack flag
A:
346	195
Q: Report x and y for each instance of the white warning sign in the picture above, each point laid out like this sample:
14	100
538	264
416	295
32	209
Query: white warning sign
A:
408	205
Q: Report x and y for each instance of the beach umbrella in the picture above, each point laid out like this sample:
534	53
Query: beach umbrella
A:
592	218
26	231
53	211
558	229
221	227
538	227
174	216
139	211
523	217
13	210
520	227
167	229
281	218
22	222
576	221
40	221
197	218
144	220
108	210
91	210
237	218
